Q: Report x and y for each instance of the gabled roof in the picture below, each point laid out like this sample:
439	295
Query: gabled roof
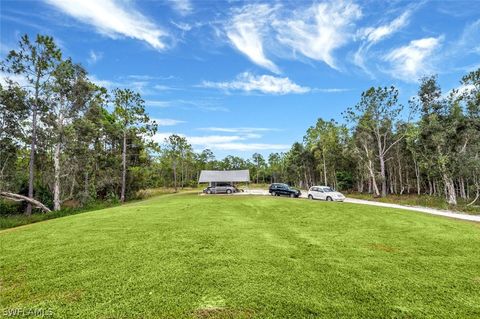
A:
224	176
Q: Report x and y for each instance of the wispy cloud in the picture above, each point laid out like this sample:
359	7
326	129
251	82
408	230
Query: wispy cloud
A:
410	62
94	57
108	84
237	129
146	85
316	32
376	34
114	18
157	103
202	105
239	142
267	84
167	122
246	31
15	78
373	35
245	147
183	7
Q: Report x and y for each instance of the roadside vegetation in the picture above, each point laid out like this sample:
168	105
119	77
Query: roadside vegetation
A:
190	256
423	201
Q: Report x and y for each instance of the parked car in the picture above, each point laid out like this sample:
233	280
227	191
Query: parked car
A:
278	189
325	193
221	188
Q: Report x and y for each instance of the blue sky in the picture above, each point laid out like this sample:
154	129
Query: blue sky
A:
249	76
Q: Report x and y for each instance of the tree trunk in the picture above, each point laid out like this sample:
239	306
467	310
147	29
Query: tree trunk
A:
124	166
175	175
450	188
57	202
461	185
324	167
400	176
360	185
382	174
31	164
56	182
417	175
31	201
372	175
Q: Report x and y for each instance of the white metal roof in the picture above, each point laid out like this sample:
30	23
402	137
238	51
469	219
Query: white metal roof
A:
224	176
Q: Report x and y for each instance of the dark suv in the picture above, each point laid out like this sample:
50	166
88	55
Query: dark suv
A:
278	189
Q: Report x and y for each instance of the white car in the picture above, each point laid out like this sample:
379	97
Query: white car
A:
325	193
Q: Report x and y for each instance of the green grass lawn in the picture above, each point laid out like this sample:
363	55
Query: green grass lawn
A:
190	256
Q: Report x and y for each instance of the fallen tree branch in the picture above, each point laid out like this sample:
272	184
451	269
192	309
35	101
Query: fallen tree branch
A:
17	197
478	195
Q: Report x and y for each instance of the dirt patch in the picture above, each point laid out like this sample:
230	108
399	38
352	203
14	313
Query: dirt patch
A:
383	247
223	313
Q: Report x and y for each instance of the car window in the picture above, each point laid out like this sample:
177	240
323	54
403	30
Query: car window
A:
327	189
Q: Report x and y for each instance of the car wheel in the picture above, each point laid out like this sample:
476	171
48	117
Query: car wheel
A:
209	191
329	199
292	195
273	194
229	191
310	197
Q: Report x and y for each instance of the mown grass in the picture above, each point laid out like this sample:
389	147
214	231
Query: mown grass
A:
190	256
19	219
422	200
15	220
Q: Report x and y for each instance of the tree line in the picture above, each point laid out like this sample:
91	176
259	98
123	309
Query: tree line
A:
64	139
429	146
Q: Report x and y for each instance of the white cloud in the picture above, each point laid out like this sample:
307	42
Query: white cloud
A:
203	105
205	141
16	78
185	27
93	57
167	122
244	147
263	83
412	61
246	31
183	7
114	18
459	91
237	129
157	103
374	35
162	87
238	141
319	30
211	140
